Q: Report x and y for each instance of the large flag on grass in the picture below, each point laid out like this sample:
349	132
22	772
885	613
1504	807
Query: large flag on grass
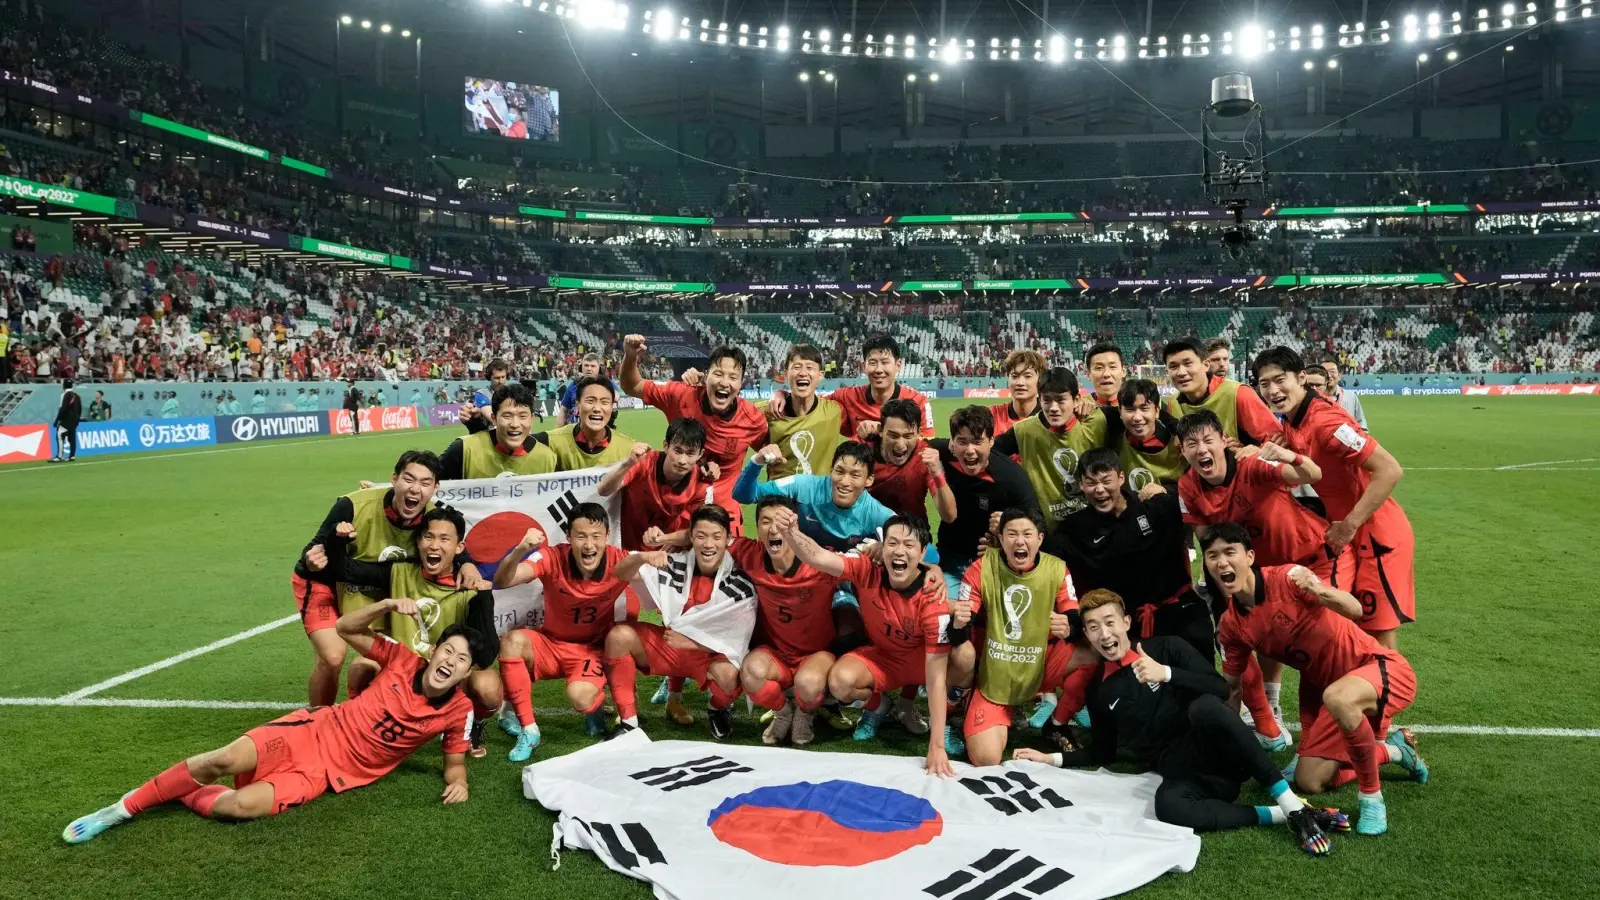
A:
499	511
702	821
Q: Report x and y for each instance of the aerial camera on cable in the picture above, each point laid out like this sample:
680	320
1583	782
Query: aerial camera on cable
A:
1234	169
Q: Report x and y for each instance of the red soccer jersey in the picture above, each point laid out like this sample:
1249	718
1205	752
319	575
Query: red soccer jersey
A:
648	501
915	620
1005	416
578	609
728	436
1322	430
370	735
972	590
795	607
1291	626
903	488
1282	530
858	405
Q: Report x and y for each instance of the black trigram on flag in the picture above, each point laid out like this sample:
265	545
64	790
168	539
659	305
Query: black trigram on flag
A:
1002	874
627	843
561	510
689	774
1014	792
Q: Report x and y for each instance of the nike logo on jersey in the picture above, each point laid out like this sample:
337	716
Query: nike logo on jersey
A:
1114	703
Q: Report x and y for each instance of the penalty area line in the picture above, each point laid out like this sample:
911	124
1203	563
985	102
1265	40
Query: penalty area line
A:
186	655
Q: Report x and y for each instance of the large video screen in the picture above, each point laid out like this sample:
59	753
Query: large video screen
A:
511	109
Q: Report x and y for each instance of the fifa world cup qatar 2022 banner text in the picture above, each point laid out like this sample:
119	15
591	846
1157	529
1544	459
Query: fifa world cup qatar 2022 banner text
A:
499	511
702	821
373	418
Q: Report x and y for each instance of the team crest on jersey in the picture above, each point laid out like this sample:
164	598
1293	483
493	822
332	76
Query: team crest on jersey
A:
1016	601
392	553
1144	525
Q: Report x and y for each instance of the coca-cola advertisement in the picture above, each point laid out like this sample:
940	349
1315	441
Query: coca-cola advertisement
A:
987	393
374	418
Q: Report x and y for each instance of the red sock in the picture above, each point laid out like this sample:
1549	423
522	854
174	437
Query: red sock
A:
675	684
599	701
721	699
1341	777
1253	687
770	696
519	688
1074	690
202	800
874	702
1363	749
173	784
909	692
812	705
621	675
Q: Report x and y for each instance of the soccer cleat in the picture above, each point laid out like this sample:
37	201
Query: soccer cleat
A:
508	721
801	731
1081	718
1277	716
1331	819
1288	770
909	718
527	741
1313	840
1273	744
782	722
1372	818
867	728
838	718
766	717
660	696
87	828
721	722
594	724
475	739
1042	711
677	712
1403	740
954	744
1245	717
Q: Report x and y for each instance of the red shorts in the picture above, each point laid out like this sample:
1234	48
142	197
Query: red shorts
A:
1390	675
983	713
786	663
289	757
559	659
890	670
1337	571
319	609
1384	583
664	660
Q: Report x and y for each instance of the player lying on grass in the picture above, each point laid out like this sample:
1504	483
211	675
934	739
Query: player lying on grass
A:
298	757
1162	702
583	582
1350	685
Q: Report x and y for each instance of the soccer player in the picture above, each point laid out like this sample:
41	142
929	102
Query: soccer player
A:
794	626
1028	620
1023	369
300	756
705	588
863	404
378	523
1144	436
1350	685
660	488
588	367
1163	702
1345	398
835	509
1244	417
1049	445
1107	371
510	448
910	626
732	424
474	412
907	470
983	483
1358	479
591	441
805	427
583	580
1219	358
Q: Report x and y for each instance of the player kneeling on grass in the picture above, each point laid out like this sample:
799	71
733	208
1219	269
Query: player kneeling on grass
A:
298	757
1350	685
708	606
582	581
1163	702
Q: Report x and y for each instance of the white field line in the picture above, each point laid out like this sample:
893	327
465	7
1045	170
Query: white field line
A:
147	457
181	657
1554	462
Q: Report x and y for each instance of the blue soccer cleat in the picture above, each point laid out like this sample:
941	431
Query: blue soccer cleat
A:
867	728
86	828
1081	717
1372	817
660	696
1273	744
508	721
1409	757
527	741
1041	712
594	724
954	745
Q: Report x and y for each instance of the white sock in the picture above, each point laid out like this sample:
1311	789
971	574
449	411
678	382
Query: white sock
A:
1289	802
1392	750
1279	817
121	811
1375	795
1274	691
532	729
631	720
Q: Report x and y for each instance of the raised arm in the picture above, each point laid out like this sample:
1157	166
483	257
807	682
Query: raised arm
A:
628	569
618	476
1294	468
1341	602
633	348
356	627
514	569
944	499
810	552
750	488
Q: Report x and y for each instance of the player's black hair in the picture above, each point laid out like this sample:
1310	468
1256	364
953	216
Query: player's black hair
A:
1014	513
589	512
807	352
1173	348
917	527
1135	388
1102	347
880	341
689	433
425	458
772	500
441	514
515	393
482	650
904	410
1225	532
733	354
856	450
1098	461
713	514
497	365
1198	421
589	381
1059	380
975	420
1280	358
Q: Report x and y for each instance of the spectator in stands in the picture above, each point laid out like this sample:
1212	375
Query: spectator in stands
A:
99	409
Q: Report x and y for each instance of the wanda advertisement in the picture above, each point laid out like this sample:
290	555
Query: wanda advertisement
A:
374	418
1524	390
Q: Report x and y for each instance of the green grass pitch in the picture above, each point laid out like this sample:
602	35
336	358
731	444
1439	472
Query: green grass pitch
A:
115	563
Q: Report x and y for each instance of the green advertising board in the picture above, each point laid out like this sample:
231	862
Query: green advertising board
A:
626	284
1412	210
928	286
1025	284
542	212
207	137
595	215
60	196
988	217
1375	278
343	251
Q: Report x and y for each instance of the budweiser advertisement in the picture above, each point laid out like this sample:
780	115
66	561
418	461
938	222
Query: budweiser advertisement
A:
1502	390
24	443
374	418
